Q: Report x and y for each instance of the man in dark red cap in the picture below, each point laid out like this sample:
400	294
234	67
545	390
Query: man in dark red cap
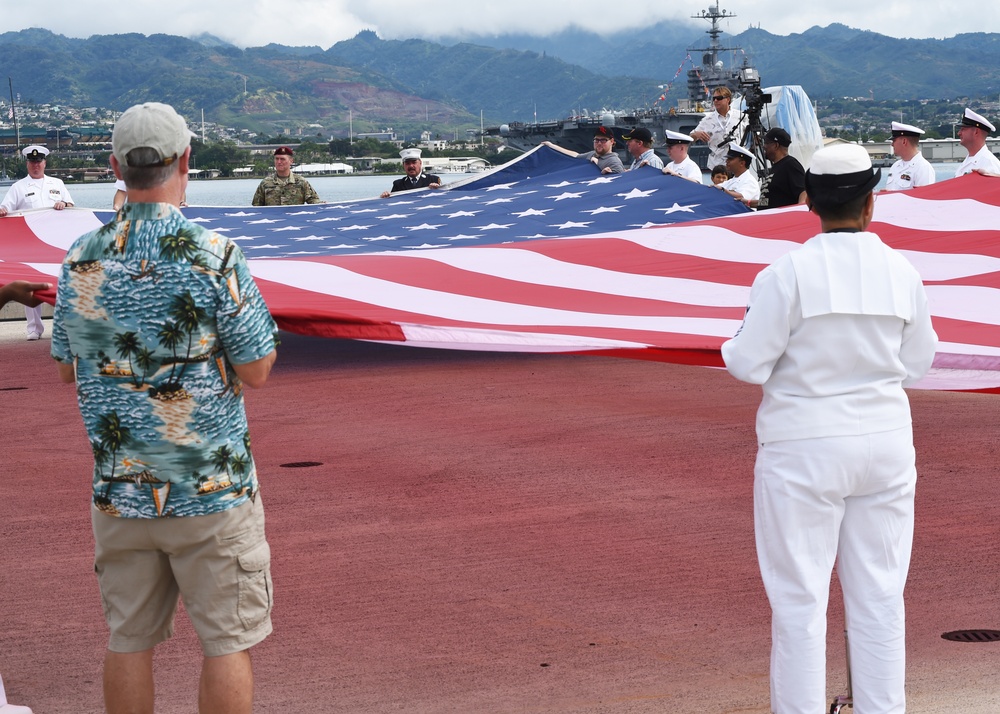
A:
284	188
603	156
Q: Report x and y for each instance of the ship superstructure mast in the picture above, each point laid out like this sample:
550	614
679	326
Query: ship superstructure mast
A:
712	72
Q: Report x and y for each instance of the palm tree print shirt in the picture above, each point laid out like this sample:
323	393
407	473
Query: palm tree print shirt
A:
154	310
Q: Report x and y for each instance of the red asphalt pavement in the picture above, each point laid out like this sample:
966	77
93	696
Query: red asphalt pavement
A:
492	533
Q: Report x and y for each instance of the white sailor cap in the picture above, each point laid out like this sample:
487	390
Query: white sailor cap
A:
406	154
675	137
899	129
977	120
737	151
841	172
35	152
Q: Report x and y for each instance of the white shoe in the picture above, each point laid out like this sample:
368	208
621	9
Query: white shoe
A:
13	709
32	336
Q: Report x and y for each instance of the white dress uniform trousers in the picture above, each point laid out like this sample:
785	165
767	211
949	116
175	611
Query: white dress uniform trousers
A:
833	332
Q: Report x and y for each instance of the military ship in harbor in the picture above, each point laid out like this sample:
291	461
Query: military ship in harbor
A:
576	132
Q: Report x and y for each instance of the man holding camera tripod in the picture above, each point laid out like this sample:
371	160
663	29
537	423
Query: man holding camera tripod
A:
718	127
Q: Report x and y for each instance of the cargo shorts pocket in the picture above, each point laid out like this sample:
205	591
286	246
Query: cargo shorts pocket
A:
255	585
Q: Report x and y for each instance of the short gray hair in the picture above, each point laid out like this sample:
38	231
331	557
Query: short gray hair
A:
145	170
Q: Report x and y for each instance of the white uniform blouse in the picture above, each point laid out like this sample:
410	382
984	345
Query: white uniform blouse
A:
746	184
910	174
686	169
35	193
982	159
834	331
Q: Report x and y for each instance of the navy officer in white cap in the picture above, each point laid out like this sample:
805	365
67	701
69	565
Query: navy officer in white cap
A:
415	176
744	184
911	169
972	133
833	332
36	190
681	164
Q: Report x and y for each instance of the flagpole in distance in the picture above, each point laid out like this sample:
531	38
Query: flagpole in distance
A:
13	115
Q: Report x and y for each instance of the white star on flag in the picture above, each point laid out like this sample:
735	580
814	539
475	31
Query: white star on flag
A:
677	207
637	193
531	212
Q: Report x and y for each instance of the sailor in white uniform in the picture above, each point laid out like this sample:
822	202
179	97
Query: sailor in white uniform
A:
911	169
680	163
36	190
744	184
972	133
833	332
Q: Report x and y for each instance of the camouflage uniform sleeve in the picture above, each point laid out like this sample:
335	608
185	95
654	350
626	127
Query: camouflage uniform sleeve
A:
258	196
309	194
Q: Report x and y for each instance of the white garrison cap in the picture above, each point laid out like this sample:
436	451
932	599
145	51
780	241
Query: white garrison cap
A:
737	149
675	137
35	152
151	126
409	154
899	129
977	120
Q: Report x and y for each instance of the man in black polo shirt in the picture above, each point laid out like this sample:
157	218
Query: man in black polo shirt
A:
786	184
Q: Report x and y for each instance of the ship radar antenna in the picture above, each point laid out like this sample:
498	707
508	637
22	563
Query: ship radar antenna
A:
713	14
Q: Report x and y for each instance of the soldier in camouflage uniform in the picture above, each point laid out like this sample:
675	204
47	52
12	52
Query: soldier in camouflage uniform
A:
284	188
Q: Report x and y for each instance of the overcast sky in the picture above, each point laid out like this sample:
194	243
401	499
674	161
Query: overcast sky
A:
252	23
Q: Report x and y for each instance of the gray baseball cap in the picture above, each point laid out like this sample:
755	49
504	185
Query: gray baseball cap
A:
153	126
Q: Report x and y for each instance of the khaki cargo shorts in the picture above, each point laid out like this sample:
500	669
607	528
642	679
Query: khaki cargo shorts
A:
220	564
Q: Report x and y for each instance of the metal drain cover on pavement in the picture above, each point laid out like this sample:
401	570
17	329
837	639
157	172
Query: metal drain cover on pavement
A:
972	636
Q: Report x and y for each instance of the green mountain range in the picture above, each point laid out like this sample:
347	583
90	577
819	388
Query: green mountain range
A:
367	83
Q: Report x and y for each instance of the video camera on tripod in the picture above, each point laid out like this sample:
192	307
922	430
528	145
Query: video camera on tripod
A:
752	94
752	129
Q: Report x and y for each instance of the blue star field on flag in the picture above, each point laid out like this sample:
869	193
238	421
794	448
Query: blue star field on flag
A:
544	195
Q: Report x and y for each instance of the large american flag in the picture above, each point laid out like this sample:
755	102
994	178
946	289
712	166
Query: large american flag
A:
547	255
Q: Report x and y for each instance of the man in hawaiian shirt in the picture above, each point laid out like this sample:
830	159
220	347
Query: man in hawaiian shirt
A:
160	324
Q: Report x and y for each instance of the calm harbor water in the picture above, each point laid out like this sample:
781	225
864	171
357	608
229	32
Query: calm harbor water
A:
239	192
